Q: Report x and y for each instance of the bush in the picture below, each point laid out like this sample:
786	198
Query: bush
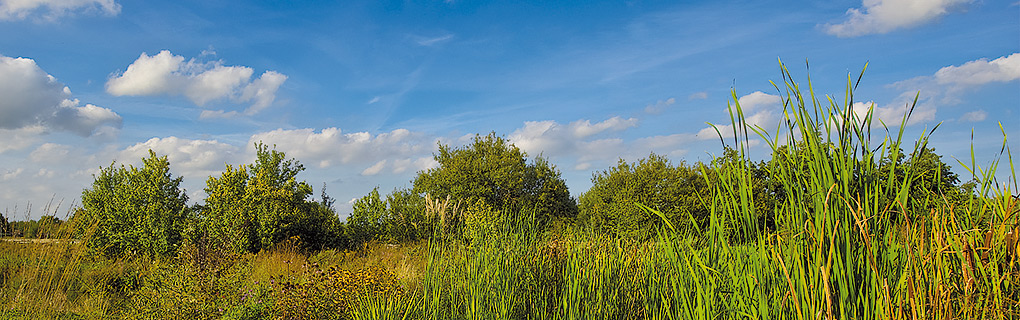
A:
252	207
611	205
134	211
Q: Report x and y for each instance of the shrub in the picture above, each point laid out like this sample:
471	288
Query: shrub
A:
611	205
255	206
134	211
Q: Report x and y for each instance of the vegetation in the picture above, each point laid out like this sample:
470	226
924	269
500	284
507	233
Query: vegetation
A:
134	211
493	173
676	191
831	226
254	206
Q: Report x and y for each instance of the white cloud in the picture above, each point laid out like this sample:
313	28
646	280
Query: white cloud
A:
169	74
31	97
331	147
191	158
981	71
553	138
18	139
11	174
428	42
974	116
374	169
698	96
883	16
45	173
50	152
262	91
946	87
760	110
218	114
659	106
52	9
576	141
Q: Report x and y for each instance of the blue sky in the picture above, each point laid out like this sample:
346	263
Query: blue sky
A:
361	91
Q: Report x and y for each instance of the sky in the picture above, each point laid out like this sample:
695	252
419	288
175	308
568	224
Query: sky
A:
363	92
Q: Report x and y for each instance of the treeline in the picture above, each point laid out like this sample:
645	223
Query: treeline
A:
45	227
488	183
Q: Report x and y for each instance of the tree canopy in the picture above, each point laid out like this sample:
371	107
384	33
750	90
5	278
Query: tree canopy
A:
497	173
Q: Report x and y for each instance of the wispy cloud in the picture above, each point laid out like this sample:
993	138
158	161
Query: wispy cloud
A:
659	106
974	116
51	10
431	41
698	96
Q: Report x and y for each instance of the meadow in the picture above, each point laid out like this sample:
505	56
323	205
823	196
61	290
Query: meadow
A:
843	237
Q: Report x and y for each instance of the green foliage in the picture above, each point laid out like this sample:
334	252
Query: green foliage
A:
611	205
367	223
5	227
134	211
497	173
48	226
252	207
333	293
399	218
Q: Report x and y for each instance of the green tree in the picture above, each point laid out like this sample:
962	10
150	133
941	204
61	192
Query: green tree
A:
5	227
920	179
495	172
134	211
611	205
252	207
399	218
367	223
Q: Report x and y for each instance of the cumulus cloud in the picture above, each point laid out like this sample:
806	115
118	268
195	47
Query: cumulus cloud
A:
50	10
33	98
191	158
202	83
981	71
331	147
553	138
581	141
760	110
883	16
946	87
